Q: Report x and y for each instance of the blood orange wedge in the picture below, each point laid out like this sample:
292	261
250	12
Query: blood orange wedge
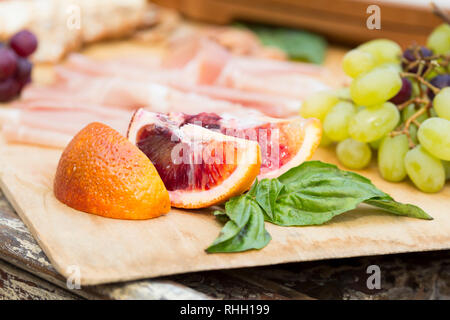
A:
284	143
102	173
199	167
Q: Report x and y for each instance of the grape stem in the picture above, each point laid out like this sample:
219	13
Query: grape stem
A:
421	80
423	66
416	100
412	119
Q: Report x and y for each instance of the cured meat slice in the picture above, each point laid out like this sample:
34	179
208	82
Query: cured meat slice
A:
30	135
53	127
271	105
132	94
282	83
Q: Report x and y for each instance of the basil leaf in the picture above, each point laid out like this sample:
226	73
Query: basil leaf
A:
315	192
399	209
245	230
310	194
266	194
297	44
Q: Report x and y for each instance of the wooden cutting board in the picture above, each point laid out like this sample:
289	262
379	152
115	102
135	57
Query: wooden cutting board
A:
107	250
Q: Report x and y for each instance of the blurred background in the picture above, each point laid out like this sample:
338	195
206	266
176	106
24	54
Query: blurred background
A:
299	29
340	20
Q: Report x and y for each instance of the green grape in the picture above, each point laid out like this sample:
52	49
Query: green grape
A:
441	103
336	121
434	136
318	105
325	141
375	145
437	70
383	50
391	155
343	93
416	86
425	171
371	124
446	165
409	111
375	86
433	113
353	154
356	62
413	133
439	39
391	66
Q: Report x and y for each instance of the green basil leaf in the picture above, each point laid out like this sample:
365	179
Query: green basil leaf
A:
315	192
399	209
266	194
245	230
310	194
221	216
297	44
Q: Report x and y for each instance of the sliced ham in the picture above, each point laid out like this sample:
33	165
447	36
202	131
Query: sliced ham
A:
284	84
207	64
132	94
271	105
198	77
53	127
274	105
30	135
49	100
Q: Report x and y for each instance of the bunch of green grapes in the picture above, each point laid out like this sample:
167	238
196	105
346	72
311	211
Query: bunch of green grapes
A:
397	106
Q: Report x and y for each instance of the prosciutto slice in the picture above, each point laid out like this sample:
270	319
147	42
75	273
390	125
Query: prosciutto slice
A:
270	103
53	127
198	76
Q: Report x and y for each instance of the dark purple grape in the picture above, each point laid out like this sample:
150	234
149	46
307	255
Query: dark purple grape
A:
9	88
8	61
23	43
408	54
23	83
440	81
404	94
23	70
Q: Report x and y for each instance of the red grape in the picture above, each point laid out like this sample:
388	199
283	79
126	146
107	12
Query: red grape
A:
24	82
408	54
404	94
8	89
23	43
7	63
23	70
440	81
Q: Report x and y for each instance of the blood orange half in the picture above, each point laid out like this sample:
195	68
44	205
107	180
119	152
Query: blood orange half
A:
284	143
199	167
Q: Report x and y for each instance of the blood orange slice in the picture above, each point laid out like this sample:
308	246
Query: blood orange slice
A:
284	143
199	167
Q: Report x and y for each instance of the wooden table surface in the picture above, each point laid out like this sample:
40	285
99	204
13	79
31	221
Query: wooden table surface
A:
26	273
